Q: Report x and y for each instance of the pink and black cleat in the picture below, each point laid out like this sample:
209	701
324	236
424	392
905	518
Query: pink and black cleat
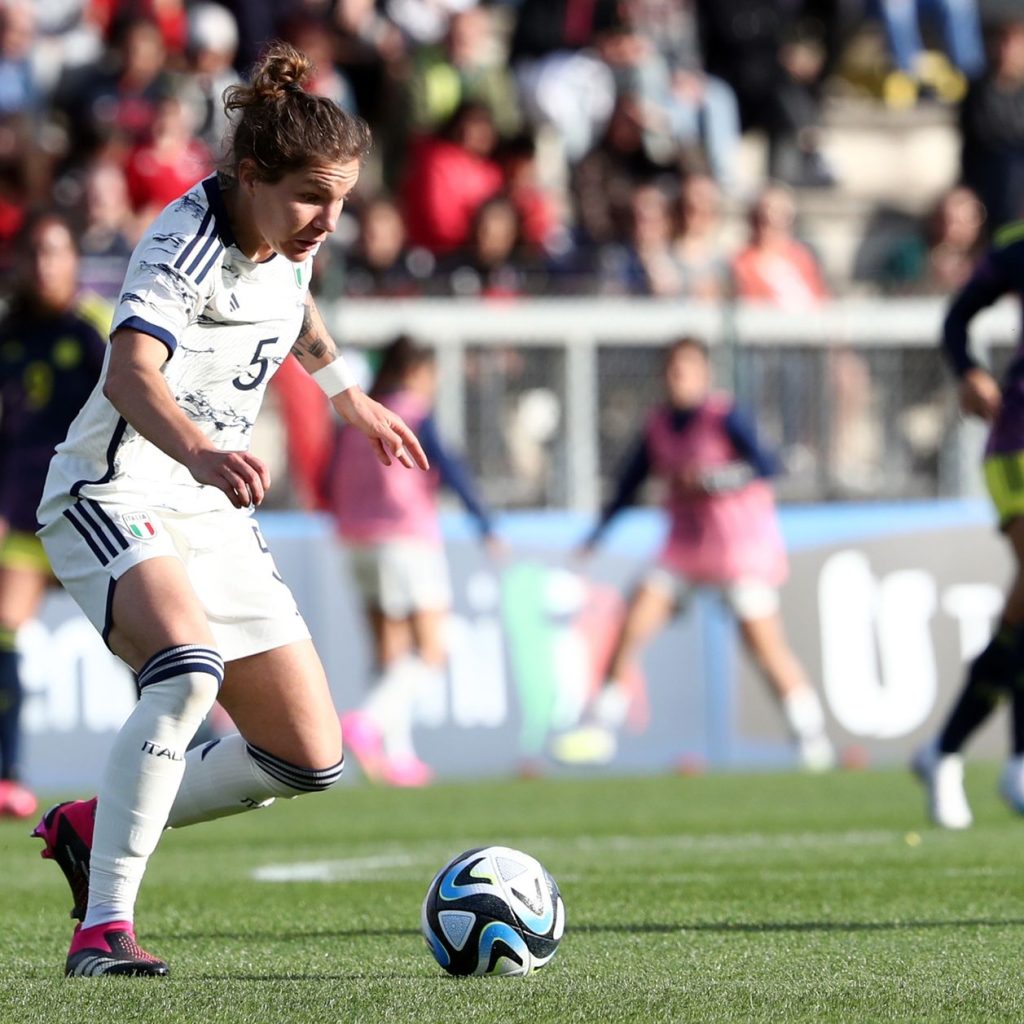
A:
66	831
110	949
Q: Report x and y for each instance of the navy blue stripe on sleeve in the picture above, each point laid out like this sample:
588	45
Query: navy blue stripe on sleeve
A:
453	473
743	434
136	323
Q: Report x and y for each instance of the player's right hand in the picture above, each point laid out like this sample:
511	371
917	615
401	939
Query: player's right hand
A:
244	478
980	394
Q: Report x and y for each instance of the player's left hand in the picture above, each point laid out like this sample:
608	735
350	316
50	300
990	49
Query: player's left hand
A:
389	434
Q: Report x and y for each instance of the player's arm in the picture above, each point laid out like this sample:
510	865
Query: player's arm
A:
980	394
387	432
455	474
136	387
634	472
755	460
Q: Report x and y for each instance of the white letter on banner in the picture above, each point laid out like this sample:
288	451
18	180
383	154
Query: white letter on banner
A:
878	662
975	606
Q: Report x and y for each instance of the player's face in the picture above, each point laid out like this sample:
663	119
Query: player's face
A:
52	265
688	378
294	215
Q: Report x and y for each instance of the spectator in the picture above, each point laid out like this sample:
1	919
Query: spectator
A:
992	126
316	40
657	56
537	206
381	264
774	267
700	256
646	264
19	93
111	106
211	49
467	64
424	22
67	38
755	46
168	16
169	163
605	178
562	81
374	54
492	264
961	33
449	175
940	259
108	234
777	270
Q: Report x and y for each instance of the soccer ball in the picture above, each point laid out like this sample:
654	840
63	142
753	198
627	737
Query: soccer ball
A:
493	910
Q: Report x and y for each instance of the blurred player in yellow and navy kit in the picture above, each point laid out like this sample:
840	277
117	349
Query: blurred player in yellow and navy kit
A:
999	670
51	353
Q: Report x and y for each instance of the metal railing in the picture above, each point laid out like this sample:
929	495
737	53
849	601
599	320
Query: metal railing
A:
545	396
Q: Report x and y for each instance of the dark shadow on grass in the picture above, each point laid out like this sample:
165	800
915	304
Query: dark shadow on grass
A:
643	928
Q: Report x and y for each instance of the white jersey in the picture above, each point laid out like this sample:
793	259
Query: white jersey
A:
227	322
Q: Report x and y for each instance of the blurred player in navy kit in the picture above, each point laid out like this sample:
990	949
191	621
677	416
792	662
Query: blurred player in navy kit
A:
51	352
997	671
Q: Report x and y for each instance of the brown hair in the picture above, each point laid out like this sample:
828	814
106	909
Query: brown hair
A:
400	358
687	341
280	127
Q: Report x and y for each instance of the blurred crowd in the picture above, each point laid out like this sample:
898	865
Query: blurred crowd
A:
530	147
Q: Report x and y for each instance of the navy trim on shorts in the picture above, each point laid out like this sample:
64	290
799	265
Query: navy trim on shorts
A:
115	442
108	613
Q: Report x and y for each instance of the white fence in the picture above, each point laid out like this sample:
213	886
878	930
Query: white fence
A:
545	395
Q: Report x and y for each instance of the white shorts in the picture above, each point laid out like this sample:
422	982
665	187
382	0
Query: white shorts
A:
248	606
401	577
748	598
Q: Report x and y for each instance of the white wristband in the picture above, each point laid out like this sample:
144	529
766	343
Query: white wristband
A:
334	377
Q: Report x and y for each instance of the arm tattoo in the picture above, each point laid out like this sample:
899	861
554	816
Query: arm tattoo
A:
313	342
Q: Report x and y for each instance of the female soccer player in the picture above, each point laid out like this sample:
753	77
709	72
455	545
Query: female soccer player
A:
997	671
389	522
51	351
723	533
146	511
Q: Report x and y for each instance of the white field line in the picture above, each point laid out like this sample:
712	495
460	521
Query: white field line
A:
405	862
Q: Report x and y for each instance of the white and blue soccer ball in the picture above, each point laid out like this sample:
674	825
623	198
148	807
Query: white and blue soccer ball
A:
493	910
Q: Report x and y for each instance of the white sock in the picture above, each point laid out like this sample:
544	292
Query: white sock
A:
804	713
177	688
611	705
228	776
390	703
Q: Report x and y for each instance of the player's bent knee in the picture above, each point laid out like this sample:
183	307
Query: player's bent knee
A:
289	780
185	679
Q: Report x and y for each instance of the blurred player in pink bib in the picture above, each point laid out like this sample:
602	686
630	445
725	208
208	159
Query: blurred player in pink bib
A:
389	523
723	533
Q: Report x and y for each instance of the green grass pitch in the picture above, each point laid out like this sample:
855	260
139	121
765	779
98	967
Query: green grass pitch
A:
778	898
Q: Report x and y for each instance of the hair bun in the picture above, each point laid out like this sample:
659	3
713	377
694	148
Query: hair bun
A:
281	69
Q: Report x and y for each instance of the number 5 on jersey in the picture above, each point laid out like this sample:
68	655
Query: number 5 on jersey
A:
260	362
